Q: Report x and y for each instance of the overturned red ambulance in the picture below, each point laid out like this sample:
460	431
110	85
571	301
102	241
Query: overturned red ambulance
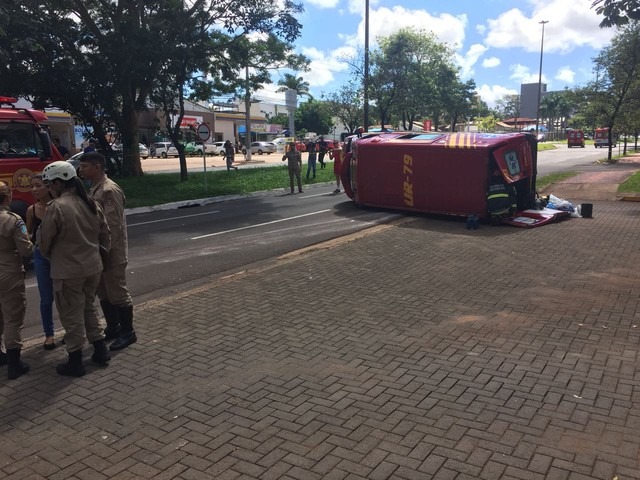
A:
440	173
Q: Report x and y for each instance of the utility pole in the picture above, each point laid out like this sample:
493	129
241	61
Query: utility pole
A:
366	66
543	23
247	107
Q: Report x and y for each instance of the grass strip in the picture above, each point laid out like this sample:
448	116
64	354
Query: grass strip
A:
631	185
546	180
159	188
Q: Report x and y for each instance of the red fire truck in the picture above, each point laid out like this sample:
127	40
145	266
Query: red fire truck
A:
442	173
25	149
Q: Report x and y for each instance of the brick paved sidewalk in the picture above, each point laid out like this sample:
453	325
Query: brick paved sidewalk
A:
418	351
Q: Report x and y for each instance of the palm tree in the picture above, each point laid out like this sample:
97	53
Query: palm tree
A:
295	83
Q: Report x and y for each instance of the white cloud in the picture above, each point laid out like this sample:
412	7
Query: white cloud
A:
491	62
357	6
268	94
323	3
566	75
571	24
385	21
523	74
492	93
323	65
470	58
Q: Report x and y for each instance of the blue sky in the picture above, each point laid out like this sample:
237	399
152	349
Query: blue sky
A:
497	42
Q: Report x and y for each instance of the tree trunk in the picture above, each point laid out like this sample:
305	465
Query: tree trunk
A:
130	140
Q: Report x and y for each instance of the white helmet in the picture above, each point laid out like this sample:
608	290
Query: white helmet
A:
58	170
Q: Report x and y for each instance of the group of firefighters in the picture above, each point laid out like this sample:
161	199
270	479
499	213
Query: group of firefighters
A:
83	237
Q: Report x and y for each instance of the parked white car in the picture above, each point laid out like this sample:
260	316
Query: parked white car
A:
144	151
218	148
198	148
163	149
261	147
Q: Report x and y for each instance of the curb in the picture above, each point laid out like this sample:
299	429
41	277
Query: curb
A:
199	202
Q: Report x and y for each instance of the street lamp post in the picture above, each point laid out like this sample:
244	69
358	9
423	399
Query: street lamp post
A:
543	23
366	67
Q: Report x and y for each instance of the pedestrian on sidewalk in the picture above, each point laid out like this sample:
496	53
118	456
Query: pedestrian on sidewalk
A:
323	147
73	231
112	290
41	266
294	164
14	244
311	161
336	155
229	155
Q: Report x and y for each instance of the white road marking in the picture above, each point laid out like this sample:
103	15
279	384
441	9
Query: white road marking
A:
259	224
171	218
317	195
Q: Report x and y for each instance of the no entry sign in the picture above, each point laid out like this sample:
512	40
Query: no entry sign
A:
203	132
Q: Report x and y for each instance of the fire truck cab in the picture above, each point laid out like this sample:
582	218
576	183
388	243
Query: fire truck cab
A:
25	149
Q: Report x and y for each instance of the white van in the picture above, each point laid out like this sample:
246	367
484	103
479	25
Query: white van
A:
163	149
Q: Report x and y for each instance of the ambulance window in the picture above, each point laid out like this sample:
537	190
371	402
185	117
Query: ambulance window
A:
426	136
511	158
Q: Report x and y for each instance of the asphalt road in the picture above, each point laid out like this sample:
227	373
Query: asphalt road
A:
170	250
563	159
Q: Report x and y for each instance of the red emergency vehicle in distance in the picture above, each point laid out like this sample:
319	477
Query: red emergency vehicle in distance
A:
601	138
25	149
439	173
575	138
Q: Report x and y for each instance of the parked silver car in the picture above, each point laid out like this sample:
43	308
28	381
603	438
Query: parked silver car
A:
163	149
261	147
144	151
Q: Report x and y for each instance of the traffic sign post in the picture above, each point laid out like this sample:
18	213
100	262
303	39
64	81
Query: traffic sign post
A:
204	133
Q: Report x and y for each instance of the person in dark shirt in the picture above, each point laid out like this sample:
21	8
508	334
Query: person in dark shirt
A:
91	147
311	161
64	151
229	154
323	148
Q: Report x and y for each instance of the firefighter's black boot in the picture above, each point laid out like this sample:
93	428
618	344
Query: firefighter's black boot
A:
127	333
101	354
16	367
113	320
74	367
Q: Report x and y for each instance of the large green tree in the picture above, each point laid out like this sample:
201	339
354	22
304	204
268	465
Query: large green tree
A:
617	12
617	71
103	60
290	81
313	116
555	109
346	104
508	106
413	76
